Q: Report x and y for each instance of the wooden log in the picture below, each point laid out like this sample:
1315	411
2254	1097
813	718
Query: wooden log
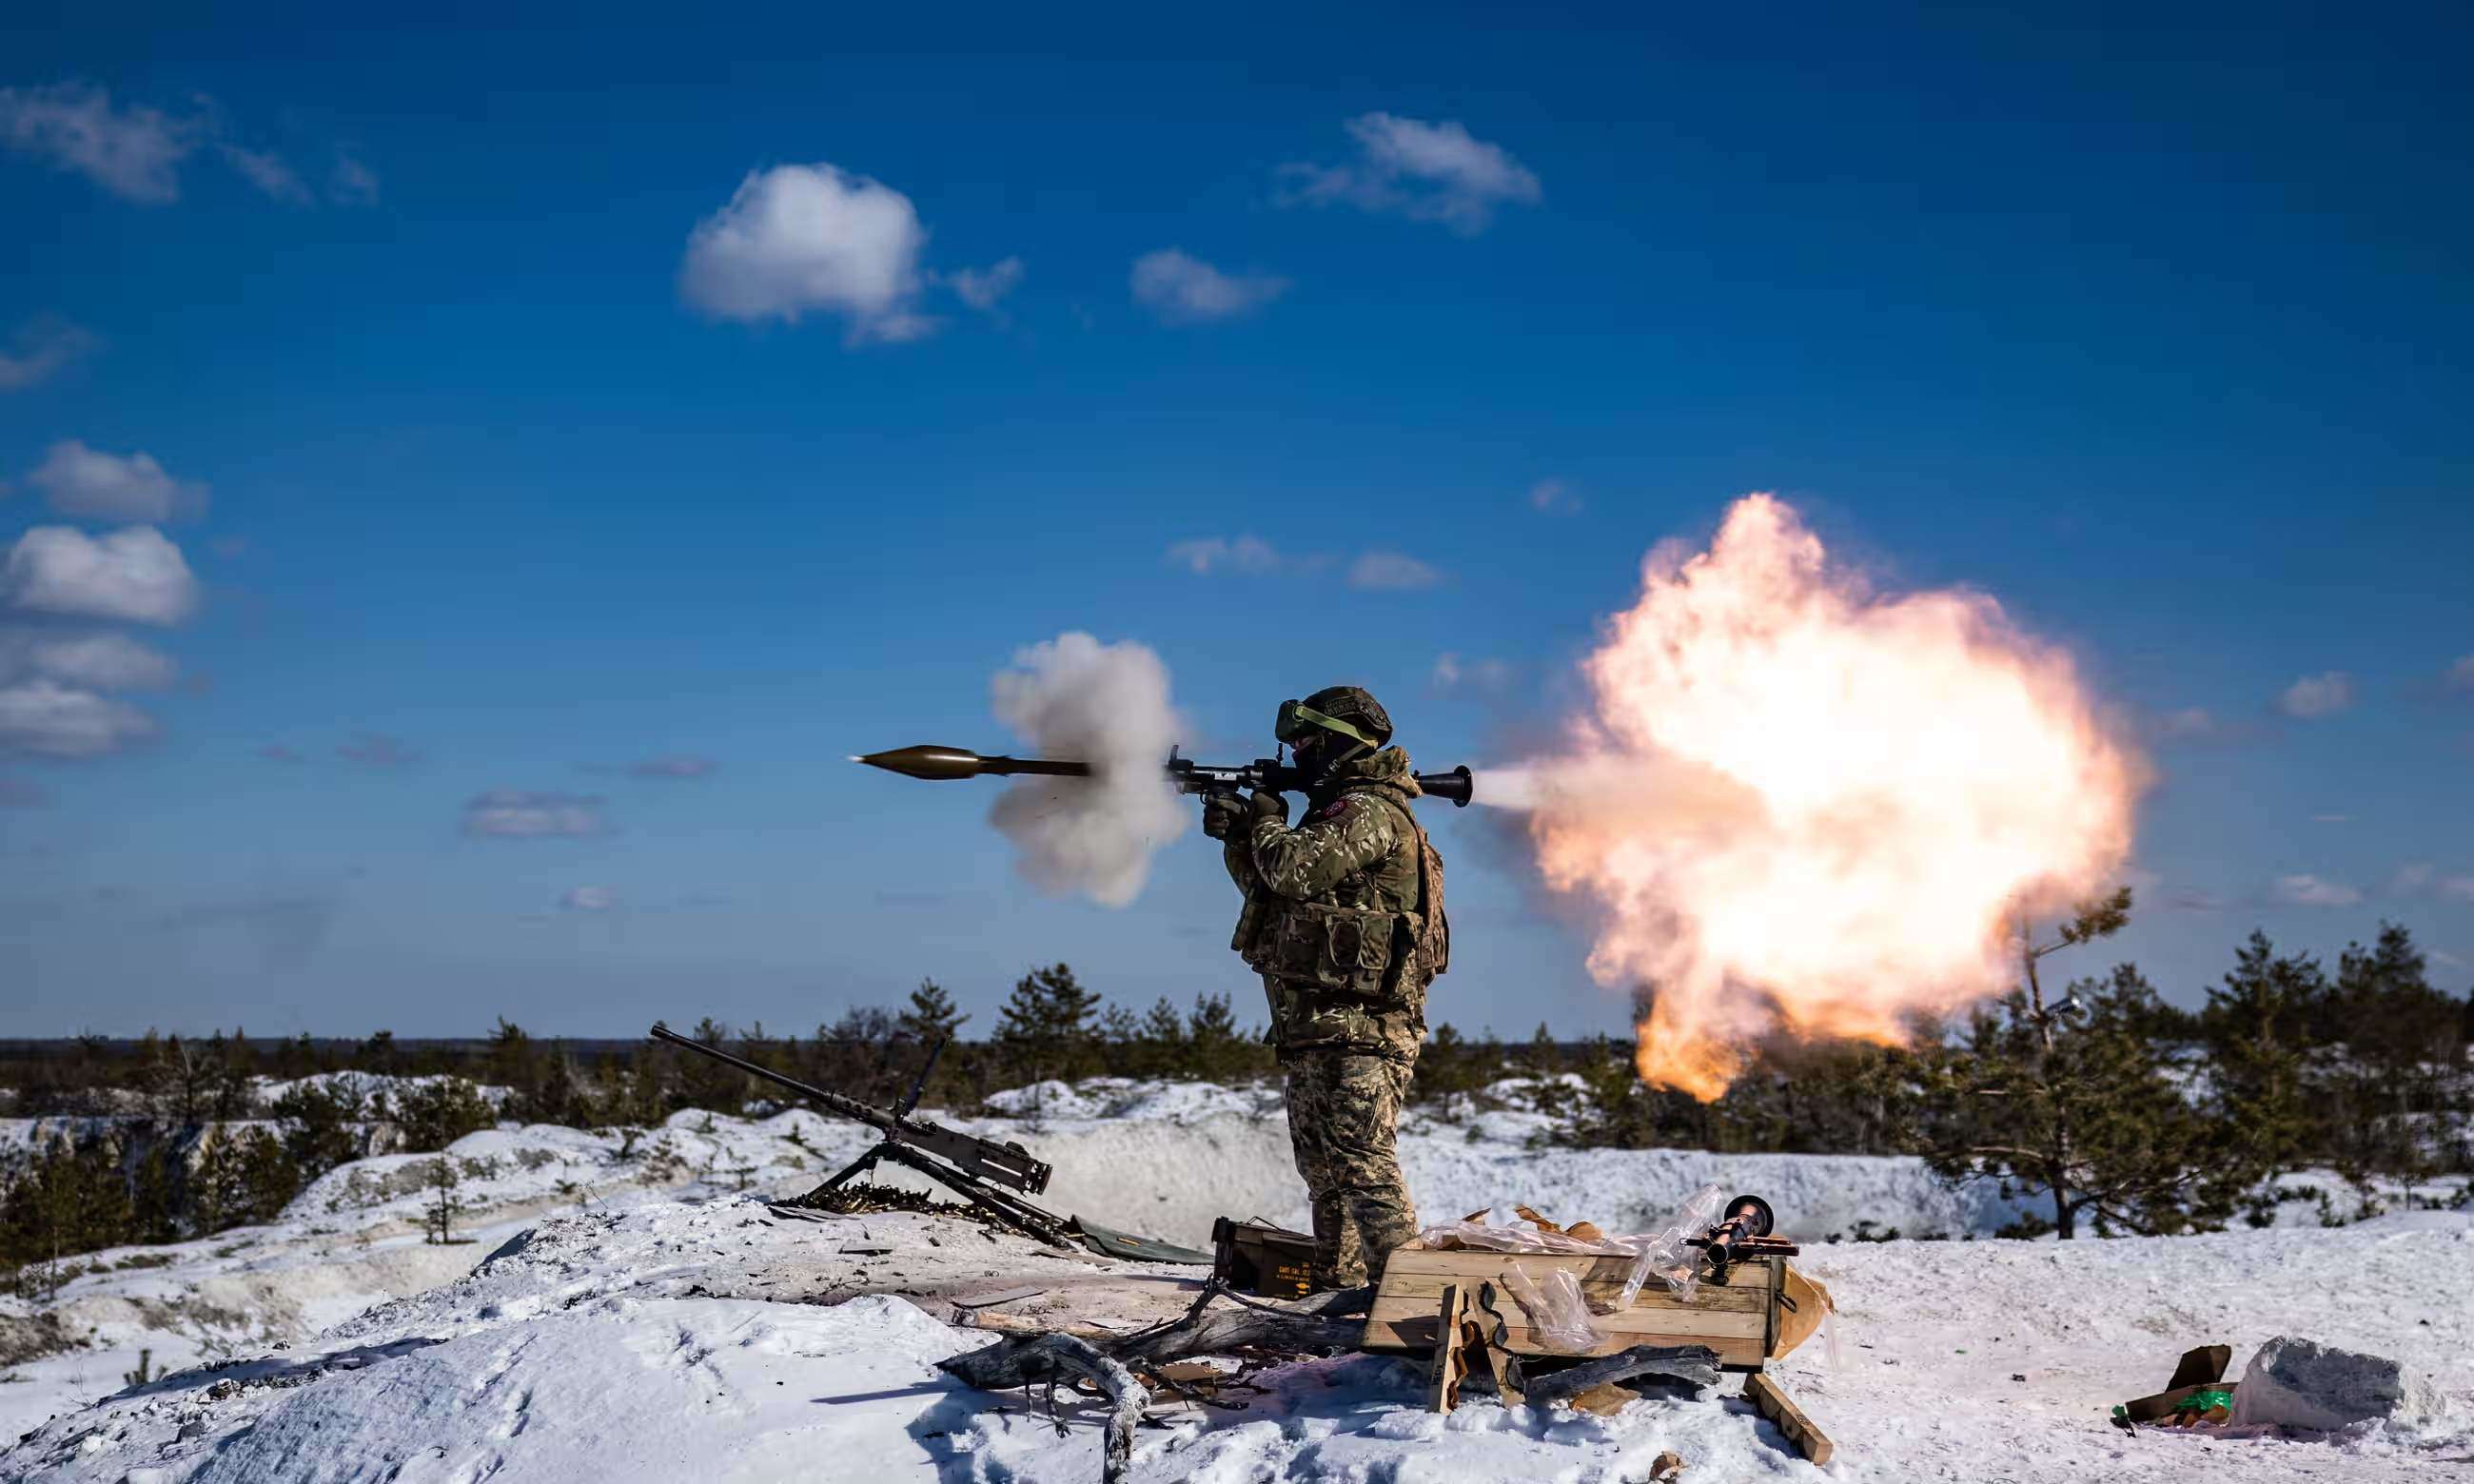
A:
1774	1404
1324	1324
1695	1364
1010	1363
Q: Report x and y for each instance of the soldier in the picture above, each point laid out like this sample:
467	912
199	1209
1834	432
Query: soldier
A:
1344	919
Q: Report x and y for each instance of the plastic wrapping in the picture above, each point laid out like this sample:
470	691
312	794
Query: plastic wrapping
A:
1555	1309
1663	1254
1524	1238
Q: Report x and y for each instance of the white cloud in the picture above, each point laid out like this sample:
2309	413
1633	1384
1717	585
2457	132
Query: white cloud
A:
2457	887
1183	289
2332	818
2310	890
2324	694
588	899
1214	553
2191	721
94	661
1425	172
134	575
798	239
350	183
1554	497
267	171
981	287
1389	571
44	347
133	153
512	814
2410	877
1452	672
45	717
99	486
2459	677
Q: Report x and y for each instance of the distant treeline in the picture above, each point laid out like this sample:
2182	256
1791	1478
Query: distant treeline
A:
2110	1108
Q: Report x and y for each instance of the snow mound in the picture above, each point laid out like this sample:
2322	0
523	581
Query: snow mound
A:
1152	1100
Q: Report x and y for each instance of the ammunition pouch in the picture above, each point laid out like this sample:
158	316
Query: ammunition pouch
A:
1348	951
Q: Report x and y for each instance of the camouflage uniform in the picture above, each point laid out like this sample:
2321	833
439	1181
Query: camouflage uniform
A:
1334	909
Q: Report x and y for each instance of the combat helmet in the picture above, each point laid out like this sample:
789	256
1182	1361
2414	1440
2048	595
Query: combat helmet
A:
1345	711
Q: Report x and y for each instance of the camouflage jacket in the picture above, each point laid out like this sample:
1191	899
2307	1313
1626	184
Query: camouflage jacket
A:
1332	911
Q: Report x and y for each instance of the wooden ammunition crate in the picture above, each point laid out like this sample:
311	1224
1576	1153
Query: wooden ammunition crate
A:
1739	1319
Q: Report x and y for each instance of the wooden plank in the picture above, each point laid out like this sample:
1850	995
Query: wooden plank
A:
1647	1322
1417	1337
1587	1267
1450	1362
1774	1404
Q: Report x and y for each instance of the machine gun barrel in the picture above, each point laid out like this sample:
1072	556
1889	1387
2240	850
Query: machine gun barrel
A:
1006	1164
944	764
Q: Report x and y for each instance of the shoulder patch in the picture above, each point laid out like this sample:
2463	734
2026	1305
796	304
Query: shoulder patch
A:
1334	809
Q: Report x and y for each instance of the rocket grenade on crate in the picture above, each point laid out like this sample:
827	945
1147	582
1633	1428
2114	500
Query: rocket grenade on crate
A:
1567	1313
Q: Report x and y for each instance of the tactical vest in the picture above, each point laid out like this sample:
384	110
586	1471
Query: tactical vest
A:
1366	958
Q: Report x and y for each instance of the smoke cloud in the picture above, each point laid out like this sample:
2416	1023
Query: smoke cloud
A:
1107	705
1797	803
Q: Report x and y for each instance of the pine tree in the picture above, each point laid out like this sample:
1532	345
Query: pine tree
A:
438	1219
2396	1100
2253	1028
1046	1026
435	1113
1215	1048
2090	1118
378	1054
2075	1102
319	1124
1160	1038
1543	1056
242	1175
931	1015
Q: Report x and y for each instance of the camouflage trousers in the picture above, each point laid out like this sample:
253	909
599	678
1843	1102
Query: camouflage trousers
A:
1343	1115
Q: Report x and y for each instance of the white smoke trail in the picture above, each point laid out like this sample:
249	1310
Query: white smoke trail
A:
1107	705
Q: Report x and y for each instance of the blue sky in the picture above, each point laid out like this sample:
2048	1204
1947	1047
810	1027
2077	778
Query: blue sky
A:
2156	329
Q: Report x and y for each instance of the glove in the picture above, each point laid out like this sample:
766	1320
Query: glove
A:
1221	813
1267	806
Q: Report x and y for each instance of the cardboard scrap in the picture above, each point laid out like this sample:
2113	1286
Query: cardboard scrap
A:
2202	1369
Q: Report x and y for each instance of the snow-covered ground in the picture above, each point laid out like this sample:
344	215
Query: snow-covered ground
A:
635	1315
355	1238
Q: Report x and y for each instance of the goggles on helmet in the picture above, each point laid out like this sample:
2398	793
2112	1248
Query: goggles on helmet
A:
1297	721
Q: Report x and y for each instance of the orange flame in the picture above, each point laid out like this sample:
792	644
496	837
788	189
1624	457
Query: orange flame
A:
1802	805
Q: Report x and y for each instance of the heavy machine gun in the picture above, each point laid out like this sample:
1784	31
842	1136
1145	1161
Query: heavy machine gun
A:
982	1171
